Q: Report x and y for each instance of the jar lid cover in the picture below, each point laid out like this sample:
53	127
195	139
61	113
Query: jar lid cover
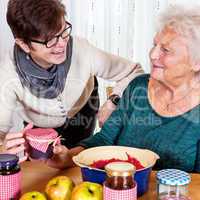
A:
173	177
8	160
120	168
42	133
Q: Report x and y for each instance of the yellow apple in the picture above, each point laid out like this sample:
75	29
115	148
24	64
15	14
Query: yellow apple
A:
59	188
33	195
87	191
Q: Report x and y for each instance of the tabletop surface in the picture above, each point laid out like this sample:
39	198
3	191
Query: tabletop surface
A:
35	176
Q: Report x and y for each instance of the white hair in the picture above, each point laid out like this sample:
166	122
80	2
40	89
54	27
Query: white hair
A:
186	22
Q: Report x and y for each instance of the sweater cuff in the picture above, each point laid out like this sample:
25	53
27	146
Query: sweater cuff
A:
89	142
85	144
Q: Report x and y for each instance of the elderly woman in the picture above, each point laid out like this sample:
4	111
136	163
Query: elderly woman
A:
160	111
50	77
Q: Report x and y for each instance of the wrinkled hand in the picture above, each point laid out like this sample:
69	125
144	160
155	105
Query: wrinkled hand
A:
61	158
105	111
14	143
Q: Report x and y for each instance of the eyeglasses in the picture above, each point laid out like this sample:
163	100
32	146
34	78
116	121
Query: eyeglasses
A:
52	42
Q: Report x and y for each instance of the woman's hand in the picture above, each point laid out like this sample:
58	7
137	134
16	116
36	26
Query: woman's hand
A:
63	157
14	143
105	111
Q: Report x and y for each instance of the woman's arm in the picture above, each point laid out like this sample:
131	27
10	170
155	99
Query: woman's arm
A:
112	128
115	124
113	68
107	136
10	142
63	156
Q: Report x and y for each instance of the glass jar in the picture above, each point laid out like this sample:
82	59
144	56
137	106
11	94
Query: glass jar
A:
172	184
10	177
120	182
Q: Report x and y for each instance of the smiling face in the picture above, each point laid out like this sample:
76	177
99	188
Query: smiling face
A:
46	57
170	58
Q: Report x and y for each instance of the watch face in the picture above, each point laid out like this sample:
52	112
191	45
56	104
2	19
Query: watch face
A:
114	98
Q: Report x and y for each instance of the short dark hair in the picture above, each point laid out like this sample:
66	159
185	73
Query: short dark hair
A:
30	19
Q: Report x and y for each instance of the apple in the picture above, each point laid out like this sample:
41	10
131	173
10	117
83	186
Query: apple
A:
59	188
87	191
33	195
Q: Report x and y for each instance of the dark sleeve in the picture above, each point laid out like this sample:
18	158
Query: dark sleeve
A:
114	125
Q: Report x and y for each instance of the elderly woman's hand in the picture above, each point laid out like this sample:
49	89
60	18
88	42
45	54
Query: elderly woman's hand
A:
14	143
62	157
105	111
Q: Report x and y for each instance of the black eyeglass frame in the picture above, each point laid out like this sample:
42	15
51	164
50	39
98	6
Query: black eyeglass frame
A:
57	36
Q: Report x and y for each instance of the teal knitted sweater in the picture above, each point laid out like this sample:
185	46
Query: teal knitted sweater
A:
134	123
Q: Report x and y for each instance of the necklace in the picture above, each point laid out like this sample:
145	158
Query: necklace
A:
180	105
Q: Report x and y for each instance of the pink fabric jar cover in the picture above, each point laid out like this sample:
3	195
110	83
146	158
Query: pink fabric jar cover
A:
111	194
10	186
41	139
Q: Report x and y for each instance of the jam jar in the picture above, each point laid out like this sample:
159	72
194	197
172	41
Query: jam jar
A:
10	177
120	182
172	184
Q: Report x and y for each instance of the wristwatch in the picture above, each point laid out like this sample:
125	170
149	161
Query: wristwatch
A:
114	98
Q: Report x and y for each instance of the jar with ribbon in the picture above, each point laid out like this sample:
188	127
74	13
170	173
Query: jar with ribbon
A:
41	142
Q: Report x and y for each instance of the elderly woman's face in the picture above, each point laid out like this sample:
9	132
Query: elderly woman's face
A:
170	57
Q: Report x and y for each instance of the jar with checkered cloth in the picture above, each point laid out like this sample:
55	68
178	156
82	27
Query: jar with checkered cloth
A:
10	177
120	183
172	184
41	142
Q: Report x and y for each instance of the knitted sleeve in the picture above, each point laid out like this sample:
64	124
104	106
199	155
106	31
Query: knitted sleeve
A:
109	67
8	98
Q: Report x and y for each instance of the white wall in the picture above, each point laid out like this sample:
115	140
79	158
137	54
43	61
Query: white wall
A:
6	38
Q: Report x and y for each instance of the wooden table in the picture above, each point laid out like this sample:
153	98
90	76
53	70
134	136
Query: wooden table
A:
35	176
